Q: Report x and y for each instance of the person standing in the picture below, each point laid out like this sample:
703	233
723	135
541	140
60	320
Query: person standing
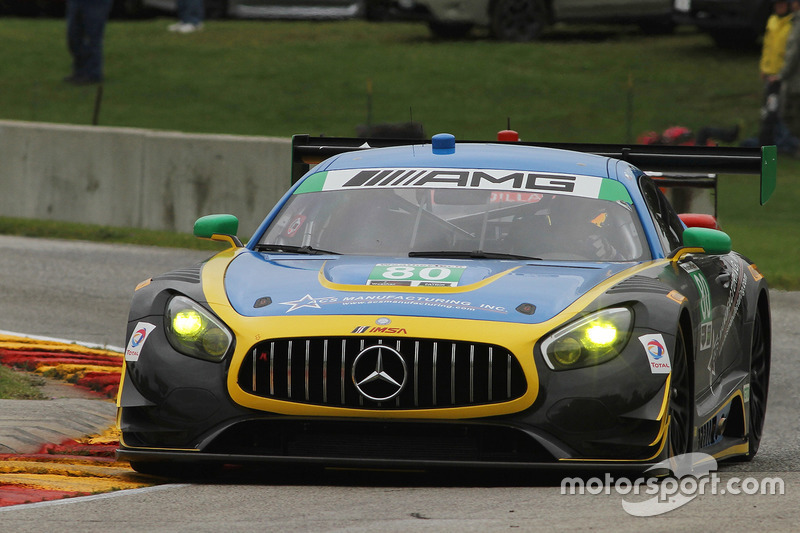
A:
790	78
190	14
86	25
773	51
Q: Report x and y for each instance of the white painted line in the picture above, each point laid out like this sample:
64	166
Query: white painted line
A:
93	497
63	341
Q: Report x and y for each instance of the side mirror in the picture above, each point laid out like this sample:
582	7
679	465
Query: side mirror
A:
713	241
218	228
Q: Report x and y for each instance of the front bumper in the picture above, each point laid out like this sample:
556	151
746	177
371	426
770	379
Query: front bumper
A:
176	408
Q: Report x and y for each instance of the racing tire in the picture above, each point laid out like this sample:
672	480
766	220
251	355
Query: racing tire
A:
518	20
759	383
681	406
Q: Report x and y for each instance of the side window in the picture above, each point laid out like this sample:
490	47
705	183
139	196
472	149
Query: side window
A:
669	226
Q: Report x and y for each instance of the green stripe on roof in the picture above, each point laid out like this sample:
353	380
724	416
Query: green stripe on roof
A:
313	183
614	191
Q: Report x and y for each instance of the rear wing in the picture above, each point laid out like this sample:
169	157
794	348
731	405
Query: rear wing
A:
685	166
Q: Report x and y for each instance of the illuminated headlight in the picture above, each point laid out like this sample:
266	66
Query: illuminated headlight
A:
590	341
193	331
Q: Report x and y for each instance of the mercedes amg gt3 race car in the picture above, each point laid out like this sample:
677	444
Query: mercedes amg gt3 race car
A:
439	304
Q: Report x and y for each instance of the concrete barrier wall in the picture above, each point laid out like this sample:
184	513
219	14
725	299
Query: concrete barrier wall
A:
139	178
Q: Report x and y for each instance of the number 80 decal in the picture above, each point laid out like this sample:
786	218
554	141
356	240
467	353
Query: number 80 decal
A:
416	275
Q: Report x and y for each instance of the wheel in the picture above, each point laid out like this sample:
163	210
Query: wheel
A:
681	405
759	383
518	20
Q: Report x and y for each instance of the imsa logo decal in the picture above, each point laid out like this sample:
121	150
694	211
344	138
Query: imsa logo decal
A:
380	329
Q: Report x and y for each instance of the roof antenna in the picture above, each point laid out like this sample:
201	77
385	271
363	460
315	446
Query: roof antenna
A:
508	135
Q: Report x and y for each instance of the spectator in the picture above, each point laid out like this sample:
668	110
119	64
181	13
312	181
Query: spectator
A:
779	25
790	78
190	16
86	24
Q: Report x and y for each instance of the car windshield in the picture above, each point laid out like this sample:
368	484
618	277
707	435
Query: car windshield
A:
453	222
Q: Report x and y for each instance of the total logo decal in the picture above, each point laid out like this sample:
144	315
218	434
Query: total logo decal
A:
139	336
657	354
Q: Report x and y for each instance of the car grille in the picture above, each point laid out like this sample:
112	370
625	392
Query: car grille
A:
438	374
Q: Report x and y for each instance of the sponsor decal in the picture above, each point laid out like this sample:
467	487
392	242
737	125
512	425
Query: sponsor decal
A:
498	197
379	329
415	275
488	179
746	392
308	301
657	354
312	302
139	336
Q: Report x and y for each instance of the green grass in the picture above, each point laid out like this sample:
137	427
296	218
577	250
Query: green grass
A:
17	386
281	78
581	84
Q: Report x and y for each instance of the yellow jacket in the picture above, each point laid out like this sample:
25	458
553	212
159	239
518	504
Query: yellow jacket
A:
774	49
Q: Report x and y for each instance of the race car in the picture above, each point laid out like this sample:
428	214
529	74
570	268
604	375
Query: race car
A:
437	304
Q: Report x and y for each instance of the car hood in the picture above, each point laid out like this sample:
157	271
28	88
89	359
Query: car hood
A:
260	285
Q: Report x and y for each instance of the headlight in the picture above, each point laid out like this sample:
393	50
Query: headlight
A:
590	341
193	331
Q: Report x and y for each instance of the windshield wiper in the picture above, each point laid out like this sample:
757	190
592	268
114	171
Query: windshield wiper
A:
475	254
292	249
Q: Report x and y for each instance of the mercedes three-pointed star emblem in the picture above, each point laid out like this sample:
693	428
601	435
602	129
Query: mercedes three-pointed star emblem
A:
378	379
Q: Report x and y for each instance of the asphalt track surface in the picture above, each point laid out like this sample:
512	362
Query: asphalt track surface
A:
80	291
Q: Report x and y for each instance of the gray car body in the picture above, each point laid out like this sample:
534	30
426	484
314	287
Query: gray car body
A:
479	12
273	9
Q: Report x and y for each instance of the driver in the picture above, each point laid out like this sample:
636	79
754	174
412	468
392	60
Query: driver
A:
569	226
